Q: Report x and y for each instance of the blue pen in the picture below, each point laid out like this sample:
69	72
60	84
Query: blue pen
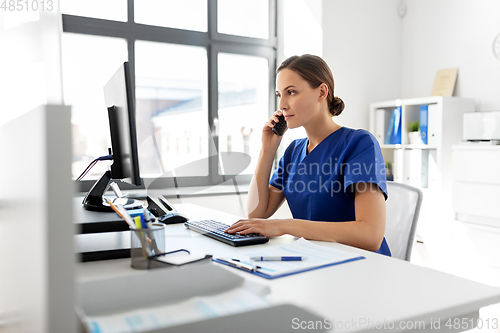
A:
149	225
268	258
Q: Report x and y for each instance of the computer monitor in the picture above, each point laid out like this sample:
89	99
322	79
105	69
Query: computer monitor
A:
121	113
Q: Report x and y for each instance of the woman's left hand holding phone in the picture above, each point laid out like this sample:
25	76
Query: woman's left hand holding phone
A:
269	139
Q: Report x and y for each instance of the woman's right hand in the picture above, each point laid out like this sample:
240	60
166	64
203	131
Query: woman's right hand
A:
269	139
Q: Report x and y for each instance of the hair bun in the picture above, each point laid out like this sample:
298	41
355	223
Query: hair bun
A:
337	106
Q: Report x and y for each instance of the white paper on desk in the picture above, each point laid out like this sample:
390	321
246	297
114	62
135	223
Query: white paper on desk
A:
194	309
317	256
181	257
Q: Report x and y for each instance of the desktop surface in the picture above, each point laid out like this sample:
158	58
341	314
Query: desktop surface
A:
90	222
105	235
377	289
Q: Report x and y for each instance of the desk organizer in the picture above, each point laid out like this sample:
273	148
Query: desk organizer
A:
173	288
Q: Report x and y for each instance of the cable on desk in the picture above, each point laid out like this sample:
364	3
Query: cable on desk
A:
91	165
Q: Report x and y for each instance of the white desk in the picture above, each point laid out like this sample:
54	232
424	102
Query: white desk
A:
355	297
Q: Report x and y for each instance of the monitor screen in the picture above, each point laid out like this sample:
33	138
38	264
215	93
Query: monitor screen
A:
121	111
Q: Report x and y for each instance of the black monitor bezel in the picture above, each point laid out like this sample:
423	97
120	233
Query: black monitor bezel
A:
119	169
119	100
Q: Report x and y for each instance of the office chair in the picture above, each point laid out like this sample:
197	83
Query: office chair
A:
402	211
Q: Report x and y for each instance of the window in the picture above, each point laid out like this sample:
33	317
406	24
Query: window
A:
172	108
203	77
88	62
185	14
243	104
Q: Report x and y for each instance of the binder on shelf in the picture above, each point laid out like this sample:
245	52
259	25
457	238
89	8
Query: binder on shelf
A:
433	171
382	121
433	130
423	123
416	167
424	183
393	135
413	167
397	166
390	129
396	134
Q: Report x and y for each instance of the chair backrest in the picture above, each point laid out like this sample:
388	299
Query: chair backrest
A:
402	210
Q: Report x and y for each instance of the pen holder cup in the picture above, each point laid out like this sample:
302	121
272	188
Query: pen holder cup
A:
145	243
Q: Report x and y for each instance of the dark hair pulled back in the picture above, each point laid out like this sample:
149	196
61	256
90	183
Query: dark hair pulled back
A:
315	71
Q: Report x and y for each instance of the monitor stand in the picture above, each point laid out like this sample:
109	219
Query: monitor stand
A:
94	200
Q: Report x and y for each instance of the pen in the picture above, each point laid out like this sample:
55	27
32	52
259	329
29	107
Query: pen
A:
120	210
142	237
138	223
277	258
238	264
143	222
149	225
123	214
147	218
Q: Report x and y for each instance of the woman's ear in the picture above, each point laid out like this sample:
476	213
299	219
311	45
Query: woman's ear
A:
323	91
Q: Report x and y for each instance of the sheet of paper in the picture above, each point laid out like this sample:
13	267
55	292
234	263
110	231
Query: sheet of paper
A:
317	256
195	309
180	258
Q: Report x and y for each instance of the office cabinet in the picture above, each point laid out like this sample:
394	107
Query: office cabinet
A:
476	183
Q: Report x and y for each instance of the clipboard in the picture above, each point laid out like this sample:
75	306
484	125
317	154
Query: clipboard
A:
259	272
318	256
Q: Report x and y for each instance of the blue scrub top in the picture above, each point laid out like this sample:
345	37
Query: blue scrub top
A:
320	186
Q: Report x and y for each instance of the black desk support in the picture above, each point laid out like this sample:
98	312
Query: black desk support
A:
90	222
100	235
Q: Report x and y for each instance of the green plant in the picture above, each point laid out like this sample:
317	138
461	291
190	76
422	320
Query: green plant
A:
414	126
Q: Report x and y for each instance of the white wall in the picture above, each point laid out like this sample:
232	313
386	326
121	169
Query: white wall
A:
439	34
375	55
362	45
300	28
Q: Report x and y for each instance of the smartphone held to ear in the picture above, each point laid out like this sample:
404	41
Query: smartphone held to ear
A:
280	127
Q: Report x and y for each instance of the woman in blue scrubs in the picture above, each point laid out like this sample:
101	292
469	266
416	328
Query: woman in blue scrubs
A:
336	174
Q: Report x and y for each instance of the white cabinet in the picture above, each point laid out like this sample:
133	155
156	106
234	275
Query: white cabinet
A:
476	183
422	165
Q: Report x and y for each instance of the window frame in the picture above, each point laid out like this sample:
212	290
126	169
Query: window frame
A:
214	42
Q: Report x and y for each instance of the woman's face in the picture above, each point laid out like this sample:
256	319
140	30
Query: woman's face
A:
297	100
